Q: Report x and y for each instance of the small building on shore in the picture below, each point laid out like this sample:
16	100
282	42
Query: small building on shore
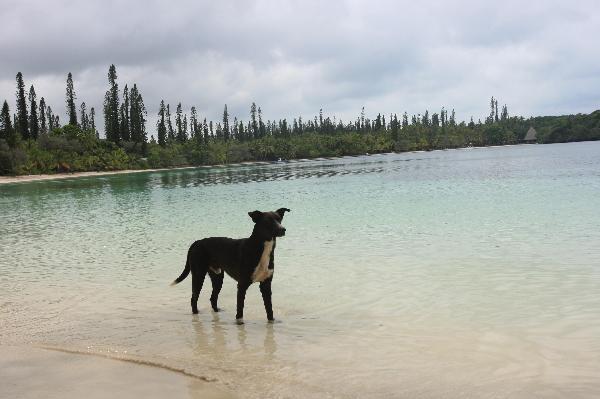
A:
531	136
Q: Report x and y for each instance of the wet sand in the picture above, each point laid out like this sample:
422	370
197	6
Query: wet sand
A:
27	372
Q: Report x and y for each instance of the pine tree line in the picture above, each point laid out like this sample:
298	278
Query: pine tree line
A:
125	120
194	139
34	118
256	128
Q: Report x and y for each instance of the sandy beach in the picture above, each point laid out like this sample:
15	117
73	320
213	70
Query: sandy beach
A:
57	176
27	372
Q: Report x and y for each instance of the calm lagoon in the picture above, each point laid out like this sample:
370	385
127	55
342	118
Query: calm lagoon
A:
460	273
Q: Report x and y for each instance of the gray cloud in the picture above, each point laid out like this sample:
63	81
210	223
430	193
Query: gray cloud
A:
295	57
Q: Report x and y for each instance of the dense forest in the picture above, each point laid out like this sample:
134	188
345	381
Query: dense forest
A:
33	140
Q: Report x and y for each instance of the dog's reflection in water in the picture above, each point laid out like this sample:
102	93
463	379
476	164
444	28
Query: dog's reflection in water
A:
270	344
209	337
213	338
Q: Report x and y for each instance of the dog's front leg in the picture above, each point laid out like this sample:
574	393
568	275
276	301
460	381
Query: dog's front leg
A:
241	296
265	290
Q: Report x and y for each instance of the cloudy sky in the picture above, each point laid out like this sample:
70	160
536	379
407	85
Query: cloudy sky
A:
294	57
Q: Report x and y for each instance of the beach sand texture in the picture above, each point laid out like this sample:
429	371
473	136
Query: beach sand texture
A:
41	373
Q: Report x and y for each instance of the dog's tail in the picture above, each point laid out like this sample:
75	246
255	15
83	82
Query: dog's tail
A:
185	271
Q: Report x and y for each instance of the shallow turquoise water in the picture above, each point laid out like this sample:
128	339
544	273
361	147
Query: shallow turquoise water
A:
455	273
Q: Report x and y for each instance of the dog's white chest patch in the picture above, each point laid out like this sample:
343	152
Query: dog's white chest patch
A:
262	271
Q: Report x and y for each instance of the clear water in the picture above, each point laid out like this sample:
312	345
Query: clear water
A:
463	273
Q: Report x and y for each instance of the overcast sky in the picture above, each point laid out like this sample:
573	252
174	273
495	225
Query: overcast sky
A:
294	57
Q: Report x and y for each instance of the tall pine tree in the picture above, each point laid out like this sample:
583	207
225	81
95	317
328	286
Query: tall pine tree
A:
262	129
205	131
7	133
125	127
254	133
22	122
34	123
193	123
43	123
50	116
170	132
111	107
234	131
83	116
504	116
185	126
93	122
71	108
137	116
496	111
179	124
161	126
225	123
490	119
241	132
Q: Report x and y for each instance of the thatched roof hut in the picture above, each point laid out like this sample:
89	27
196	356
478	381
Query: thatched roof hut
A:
531	136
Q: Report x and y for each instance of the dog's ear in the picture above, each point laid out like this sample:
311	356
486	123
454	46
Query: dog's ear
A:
282	211
255	216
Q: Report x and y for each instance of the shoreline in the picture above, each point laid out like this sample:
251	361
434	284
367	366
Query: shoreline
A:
33	372
75	175
60	176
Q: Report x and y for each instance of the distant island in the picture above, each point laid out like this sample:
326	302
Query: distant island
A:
33	141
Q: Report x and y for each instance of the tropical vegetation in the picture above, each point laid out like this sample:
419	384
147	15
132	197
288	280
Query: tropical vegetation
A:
33	141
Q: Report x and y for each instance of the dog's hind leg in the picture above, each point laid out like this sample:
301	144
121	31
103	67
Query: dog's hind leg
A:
217	283
198	276
265	290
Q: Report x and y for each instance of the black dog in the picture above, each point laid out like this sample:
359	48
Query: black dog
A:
247	260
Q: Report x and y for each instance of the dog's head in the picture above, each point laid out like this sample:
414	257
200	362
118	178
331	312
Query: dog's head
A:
267	225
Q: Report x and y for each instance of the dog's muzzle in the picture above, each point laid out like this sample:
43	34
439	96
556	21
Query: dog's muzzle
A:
281	232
